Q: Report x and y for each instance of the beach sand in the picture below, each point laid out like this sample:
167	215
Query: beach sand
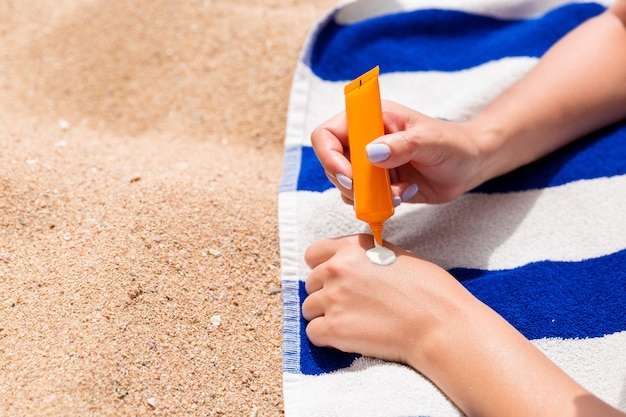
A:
140	160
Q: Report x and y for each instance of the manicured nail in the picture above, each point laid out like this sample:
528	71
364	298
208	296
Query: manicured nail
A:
397	201
377	152
344	181
410	191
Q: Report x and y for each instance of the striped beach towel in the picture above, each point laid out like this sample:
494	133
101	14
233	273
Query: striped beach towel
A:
545	246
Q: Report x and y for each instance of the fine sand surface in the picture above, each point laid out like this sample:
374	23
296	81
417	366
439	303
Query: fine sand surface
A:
140	159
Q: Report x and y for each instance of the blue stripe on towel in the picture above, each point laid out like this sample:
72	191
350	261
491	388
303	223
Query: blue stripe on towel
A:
542	300
601	154
312	176
437	40
556	299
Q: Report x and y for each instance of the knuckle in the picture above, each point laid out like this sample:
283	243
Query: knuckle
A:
406	145
315	134
307	255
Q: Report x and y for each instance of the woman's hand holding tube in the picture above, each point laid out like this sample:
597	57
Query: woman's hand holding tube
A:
578	86
440	159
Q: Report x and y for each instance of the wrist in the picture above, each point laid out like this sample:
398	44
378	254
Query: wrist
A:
501	148
445	333
484	366
487	148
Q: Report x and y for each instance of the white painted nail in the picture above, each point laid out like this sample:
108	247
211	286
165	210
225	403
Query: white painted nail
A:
410	191
344	181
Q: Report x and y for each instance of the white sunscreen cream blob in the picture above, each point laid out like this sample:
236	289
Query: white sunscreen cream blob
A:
381	255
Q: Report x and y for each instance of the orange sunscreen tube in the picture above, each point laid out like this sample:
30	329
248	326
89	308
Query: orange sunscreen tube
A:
372	189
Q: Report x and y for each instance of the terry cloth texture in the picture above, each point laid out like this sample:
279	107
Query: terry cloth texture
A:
545	246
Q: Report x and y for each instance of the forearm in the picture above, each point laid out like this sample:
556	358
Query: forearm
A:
578	86
487	369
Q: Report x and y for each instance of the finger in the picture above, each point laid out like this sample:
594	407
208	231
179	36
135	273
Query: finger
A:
317	332
395	191
344	187
320	252
322	333
315	280
392	150
330	143
312	307
393	175
344	181
404	192
348	199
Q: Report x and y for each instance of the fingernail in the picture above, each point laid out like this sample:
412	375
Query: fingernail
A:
377	152
344	181
410	191
397	201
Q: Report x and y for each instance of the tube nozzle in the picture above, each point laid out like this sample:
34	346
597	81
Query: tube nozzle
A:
377	231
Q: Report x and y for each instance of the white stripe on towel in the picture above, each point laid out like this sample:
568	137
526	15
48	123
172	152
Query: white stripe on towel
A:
505	230
355	11
460	95
599	366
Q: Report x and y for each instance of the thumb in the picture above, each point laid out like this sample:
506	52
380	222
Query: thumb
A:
392	150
